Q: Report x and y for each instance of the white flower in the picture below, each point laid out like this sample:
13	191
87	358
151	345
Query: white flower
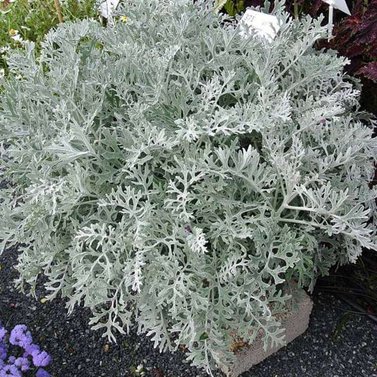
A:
4	49
140	370
15	35
17	38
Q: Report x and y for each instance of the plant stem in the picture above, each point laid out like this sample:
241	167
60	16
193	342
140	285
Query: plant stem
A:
366	4
295	9
331	22
58	10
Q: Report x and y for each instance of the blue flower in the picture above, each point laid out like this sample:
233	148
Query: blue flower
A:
12	366
3	351
22	363
41	358
20	336
3	332
10	371
30	349
42	373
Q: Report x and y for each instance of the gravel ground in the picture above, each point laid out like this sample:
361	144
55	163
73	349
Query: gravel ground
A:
337	344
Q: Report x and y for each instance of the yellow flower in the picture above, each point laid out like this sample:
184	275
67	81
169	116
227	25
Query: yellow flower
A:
12	32
124	18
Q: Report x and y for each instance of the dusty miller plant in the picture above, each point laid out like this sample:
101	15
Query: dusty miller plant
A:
170	172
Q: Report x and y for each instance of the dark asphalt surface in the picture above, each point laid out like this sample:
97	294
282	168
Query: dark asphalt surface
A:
338	343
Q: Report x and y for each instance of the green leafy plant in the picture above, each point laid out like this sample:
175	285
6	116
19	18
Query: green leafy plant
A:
30	20
171	172
230	7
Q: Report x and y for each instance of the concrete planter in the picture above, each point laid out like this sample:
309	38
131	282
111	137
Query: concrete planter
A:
295	323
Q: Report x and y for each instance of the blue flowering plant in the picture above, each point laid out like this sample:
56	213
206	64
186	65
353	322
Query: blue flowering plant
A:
20	356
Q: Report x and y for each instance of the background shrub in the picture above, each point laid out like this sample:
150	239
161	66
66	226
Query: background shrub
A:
168	171
31	19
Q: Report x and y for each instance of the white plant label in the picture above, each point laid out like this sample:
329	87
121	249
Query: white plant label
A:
107	8
339	4
262	24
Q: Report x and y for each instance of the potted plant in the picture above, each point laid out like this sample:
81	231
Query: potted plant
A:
169	171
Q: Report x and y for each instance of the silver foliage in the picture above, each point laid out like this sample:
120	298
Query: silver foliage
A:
169	172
